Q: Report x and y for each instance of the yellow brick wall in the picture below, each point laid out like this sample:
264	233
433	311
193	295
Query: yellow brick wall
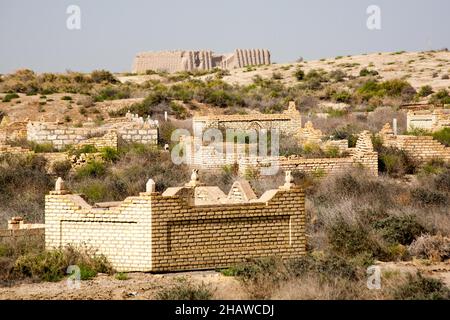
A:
152	232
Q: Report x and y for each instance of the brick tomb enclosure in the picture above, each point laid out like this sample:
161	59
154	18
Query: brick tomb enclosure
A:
216	156
18	229
131	128
183	228
420	148
429	118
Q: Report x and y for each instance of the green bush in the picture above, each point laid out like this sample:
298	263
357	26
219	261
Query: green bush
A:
440	97
10	96
46	266
351	239
95	190
443	136
77	151
425	91
185	290
442	181
426	197
395	162
121	276
419	287
51	265
390	88
110	154
61	168
23	184
342	96
366	72
100	76
91	169
345	133
402	230
68	98
42	147
299	74
330	266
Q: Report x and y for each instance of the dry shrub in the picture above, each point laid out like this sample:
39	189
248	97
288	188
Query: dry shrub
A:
312	287
184	289
433	247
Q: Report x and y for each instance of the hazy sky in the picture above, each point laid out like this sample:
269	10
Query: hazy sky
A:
33	34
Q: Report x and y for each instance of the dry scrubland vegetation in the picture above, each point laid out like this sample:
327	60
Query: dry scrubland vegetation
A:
354	220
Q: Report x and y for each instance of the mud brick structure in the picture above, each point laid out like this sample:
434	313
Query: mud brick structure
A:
18	229
420	148
7	149
362	155
131	128
287	122
189	60
184	228
218	155
310	135
432	119
12	130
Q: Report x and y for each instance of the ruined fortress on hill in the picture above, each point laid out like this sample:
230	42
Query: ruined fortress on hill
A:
181	60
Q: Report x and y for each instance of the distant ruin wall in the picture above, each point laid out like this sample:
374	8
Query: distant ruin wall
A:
189	60
246	57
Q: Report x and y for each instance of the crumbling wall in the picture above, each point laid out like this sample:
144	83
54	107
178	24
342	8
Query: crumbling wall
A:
173	61
246	57
189	60
420	148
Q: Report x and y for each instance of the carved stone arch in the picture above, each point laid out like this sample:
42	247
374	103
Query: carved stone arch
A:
255	125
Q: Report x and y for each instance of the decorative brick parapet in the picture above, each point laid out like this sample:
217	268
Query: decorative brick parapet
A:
184	228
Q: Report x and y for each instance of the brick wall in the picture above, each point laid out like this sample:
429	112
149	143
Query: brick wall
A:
131	129
18	230
172	231
419	148
287	122
431	119
208	157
